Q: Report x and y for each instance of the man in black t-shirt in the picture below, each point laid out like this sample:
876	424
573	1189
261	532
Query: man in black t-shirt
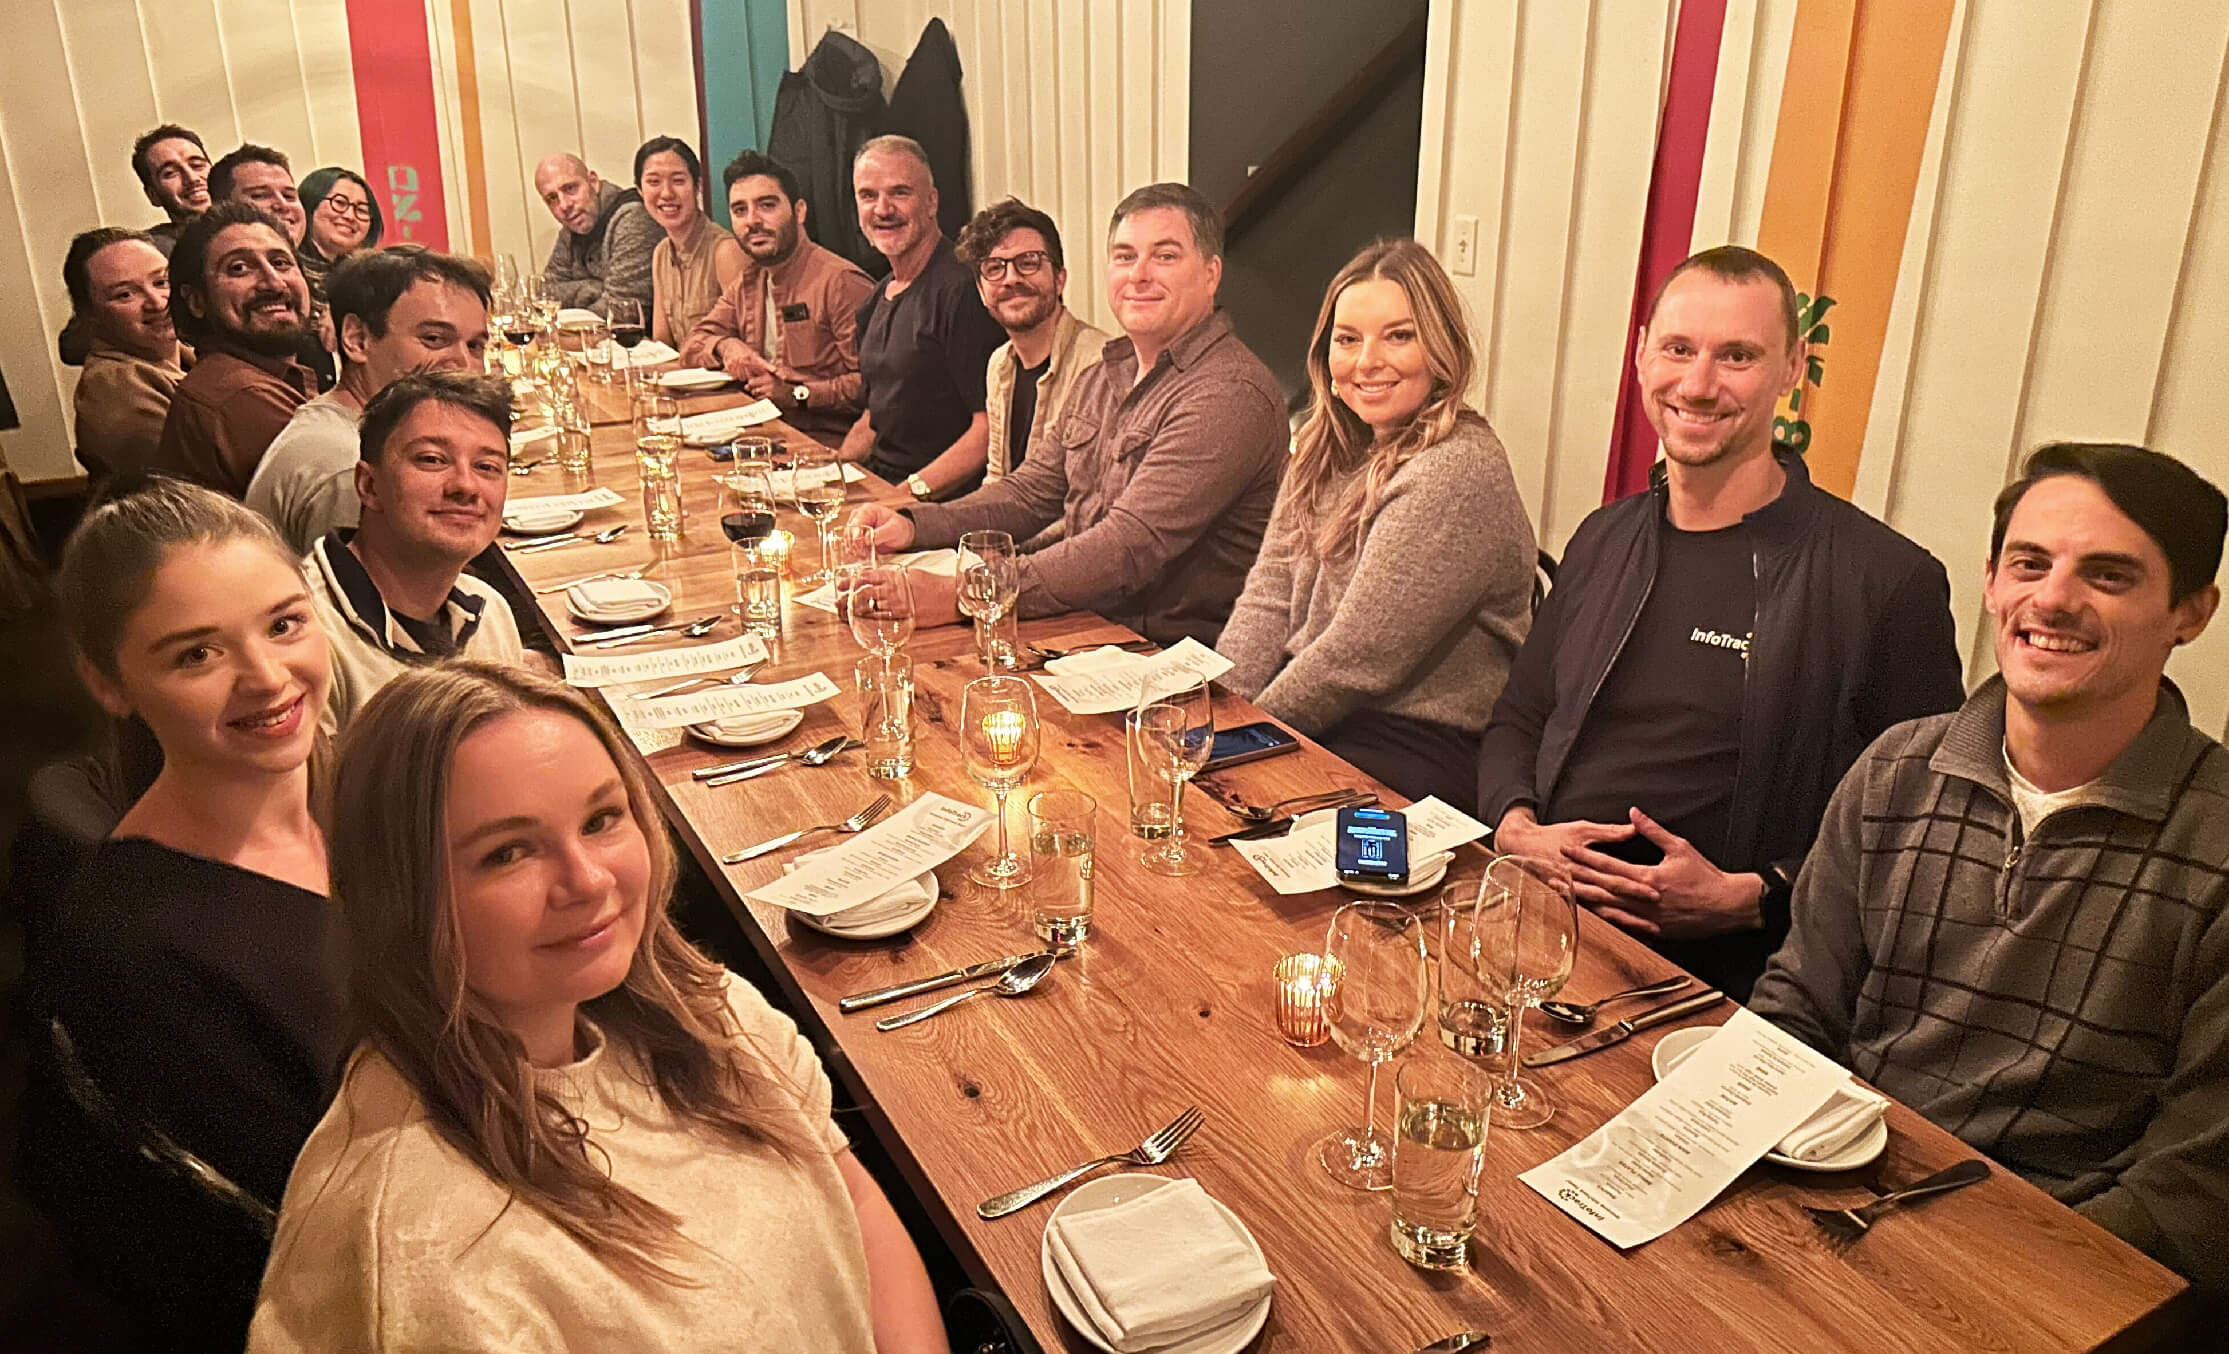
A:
924	338
1716	652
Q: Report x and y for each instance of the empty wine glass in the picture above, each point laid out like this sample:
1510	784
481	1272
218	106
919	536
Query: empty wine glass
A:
998	731
1375	1009
1526	929
879	600
989	586
1176	720
817	483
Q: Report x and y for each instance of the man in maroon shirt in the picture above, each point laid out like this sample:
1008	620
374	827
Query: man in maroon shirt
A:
238	296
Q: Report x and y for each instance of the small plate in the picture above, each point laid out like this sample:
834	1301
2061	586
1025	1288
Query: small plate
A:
650	604
542	521
748	731
693	378
1676	1047
877	927
1427	876
1106	1192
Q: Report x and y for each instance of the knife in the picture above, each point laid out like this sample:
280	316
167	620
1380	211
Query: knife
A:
1626	1029
1457	1344
989	968
1278	827
620	632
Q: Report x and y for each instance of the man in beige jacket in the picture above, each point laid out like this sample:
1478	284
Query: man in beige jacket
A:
1022	276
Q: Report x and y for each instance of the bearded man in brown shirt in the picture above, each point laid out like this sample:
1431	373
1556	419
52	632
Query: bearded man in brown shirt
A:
1163	467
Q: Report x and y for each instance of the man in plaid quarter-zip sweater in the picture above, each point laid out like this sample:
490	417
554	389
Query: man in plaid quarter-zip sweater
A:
2014	917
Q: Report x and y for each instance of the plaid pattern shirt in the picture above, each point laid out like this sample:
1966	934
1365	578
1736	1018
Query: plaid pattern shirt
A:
2059	1000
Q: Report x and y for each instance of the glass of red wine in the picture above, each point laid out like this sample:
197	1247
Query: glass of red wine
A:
628	331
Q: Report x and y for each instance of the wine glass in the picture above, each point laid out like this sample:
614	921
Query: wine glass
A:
1376	951
998	729
880	605
1176	719
624	319
817	483
989	586
747	519
1526	936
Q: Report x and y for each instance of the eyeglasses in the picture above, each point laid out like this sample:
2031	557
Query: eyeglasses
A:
1027	264
343	207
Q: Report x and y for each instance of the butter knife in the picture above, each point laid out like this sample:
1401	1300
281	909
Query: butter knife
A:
989	968
1278	827
1626	1029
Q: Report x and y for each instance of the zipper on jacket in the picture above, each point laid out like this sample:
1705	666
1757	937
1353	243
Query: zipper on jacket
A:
1623	637
1741	747
2008	874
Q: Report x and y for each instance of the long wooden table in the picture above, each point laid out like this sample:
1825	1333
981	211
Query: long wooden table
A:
1170	1005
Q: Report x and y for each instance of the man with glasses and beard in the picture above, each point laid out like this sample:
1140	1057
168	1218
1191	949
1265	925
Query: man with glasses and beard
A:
788	328
238	296
1022	276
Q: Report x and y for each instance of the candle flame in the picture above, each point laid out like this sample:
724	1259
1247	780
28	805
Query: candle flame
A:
1004	730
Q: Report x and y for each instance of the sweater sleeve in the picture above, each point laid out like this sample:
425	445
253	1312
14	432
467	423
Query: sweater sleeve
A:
1261	620
1020	503
1449	538
2172	1201
566	282
1810	986
628	244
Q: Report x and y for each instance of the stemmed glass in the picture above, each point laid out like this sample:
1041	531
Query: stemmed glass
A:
1525	933
817	483
624	319
989	586
1375	1010
880	605
747	521
1178	727
998	729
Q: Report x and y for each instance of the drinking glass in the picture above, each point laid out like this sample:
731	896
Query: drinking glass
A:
1152	786
885	683
747	520
1179	726
855	545
625	321
1526	930
658	455
1375	1011
1060	839
1440	1111
879	602
569	411
989	586
1473	1014
998	731
817	483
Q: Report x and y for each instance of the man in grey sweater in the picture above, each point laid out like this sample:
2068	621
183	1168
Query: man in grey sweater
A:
603	253
2016	916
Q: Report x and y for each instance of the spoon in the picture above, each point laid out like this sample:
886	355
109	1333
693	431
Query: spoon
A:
1017	980
819	754
527	467
1580	1013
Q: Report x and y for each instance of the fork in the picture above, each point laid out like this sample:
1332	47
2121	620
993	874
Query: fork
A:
856	823
1846	1225
1262	813
548	588
738	678
1126	645
1157	1148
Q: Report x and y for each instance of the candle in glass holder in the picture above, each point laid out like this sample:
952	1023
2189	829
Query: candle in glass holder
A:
774	548
1004	729
1305	984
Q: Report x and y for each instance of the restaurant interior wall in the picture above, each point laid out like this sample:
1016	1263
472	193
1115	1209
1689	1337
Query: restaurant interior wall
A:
2064	271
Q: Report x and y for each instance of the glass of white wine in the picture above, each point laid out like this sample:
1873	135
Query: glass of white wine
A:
1525	938
1374	1011
658	457
817	483
998	732
1176	721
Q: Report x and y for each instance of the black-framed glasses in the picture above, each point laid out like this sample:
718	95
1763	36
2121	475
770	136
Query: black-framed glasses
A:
343	207
1028	263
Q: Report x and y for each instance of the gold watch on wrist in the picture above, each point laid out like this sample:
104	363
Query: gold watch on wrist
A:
918	487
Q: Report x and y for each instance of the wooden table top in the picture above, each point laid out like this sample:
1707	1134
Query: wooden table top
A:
1170	1006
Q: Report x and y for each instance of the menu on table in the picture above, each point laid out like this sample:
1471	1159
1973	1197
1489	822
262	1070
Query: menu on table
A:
683	661
921	836
1108	679
1666	1155
944	562
725	702
1306	859
589	501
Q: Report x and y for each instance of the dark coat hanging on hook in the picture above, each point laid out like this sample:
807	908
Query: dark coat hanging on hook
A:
927	106
823	112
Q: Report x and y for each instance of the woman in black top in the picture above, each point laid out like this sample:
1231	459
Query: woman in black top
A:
187	961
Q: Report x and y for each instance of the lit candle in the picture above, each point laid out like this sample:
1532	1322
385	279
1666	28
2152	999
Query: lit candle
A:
1305	984
774	549
1004	729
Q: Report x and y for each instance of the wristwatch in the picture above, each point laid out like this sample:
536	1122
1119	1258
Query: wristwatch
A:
799	393
918	487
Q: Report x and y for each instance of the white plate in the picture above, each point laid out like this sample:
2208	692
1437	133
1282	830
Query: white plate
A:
693	378
1106	1192
1426	874
1676	1047
622	615
749	731
833	924
542	521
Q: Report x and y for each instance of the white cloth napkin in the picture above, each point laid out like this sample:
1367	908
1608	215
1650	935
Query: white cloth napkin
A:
1094	662
945	562
648	353
681	378
1836	1125
613	594
721	424
1159	1268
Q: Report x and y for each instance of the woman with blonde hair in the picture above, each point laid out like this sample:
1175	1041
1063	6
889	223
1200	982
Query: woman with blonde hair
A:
186	963
565	1127
1395	583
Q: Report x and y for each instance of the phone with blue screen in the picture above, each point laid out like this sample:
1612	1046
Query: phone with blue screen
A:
1373	846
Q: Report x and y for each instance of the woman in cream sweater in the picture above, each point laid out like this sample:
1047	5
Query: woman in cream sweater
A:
565	1127
1395	584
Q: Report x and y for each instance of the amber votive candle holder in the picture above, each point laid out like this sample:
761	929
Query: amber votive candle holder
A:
1305	984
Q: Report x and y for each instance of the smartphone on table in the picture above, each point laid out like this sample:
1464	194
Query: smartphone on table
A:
1247	743
1373	846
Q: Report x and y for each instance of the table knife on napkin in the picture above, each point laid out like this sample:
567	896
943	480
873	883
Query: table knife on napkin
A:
1625	1029
989	968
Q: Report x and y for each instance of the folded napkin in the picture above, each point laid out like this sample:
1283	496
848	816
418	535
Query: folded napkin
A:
527	437
945	562
574	317
1095	662
724	423
1158	1269
691	376
614	594
1836	1125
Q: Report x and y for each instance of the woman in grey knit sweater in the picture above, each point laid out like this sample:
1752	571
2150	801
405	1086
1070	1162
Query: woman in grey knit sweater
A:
1395	584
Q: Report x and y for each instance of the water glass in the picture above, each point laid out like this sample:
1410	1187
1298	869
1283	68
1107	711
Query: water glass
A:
1440	1111
885	684
1153	784
1060	836
662	512
1179	726
570	414
758	586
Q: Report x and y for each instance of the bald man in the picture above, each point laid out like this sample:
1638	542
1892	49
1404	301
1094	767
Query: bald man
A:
603	252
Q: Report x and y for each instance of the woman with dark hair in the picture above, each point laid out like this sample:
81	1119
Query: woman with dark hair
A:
699	259
343	218
1394	586
565	1127
187	961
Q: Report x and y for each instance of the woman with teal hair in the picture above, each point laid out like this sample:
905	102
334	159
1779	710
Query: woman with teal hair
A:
344	217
